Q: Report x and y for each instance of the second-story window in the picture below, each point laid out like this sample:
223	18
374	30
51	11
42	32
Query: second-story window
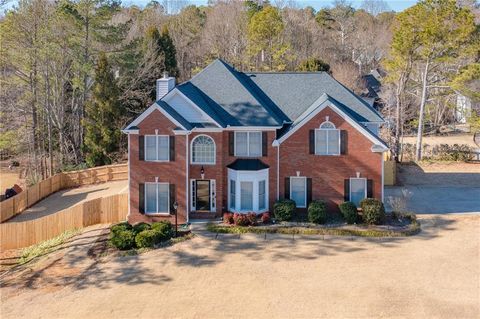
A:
248	144
157	148
327	139
203	150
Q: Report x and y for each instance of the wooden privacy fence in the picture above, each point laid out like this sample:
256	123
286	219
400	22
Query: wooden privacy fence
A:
34	193
109	209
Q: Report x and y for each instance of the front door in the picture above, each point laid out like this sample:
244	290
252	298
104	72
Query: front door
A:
202	199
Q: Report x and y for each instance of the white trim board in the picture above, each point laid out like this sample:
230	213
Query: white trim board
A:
324	102
175	92
149	111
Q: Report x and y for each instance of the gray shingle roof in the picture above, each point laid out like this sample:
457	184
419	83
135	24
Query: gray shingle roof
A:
247	164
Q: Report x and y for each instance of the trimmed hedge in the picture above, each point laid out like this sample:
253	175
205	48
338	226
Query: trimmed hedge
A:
142	235
165	229
283	209
373	211
349	212
123	239
317	212
147	238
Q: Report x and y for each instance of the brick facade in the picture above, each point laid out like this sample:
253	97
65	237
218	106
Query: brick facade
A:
327	172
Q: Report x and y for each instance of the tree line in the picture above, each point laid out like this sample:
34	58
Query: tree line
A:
73	72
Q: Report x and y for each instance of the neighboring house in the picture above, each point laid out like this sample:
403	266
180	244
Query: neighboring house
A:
372	83
464	108
233	141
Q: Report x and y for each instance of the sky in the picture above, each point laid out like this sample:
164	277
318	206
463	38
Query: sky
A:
395	5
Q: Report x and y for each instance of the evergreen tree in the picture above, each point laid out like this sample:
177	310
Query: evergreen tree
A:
167	48
314	65
102	133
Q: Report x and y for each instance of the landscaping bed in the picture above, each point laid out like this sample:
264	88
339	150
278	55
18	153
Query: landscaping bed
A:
368	221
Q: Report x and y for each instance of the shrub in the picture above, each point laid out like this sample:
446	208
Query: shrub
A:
283	209
122	238
240	219
228	218
317	212
349	212
373	211
252	219
164	229
265	218
147	238
120	227
138	228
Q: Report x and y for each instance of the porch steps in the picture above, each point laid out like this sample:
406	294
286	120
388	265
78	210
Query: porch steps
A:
202	215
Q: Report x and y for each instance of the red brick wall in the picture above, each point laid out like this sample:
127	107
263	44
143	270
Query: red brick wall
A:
143	171
328	172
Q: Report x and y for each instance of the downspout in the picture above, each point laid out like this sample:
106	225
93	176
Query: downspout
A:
129	173
277	145
187	184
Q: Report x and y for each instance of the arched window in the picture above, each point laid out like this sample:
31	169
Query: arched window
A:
327	139
203	150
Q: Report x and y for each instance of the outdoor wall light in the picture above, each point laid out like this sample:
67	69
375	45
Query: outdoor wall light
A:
202	172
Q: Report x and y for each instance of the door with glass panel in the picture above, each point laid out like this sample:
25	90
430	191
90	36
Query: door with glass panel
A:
202	196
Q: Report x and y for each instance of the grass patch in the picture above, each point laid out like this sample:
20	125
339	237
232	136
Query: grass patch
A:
47	246
412	229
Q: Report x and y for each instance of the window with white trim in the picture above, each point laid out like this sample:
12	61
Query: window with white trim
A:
298	191
157	198
246	195
358	190
248	144
327	139
232	194
261	195
203	150
157	148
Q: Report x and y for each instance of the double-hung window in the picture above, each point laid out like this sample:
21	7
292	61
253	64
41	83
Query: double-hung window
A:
157	148
246	196
261	195
298	191
157	198
248	144
232	194
358	190
327	139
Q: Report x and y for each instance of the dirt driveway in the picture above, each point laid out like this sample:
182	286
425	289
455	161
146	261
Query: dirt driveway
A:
432	275
70	197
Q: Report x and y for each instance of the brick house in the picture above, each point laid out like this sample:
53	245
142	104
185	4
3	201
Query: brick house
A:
234	141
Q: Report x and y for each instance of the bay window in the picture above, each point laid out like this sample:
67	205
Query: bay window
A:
247	191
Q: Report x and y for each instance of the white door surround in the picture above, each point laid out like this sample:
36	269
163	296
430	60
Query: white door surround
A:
212	194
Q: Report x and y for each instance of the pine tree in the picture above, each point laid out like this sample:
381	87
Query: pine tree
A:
102	134
167	48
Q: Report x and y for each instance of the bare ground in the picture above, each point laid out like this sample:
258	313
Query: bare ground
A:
439	173
432	275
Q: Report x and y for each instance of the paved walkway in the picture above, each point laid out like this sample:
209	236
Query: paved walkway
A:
70	197
432	275
433	199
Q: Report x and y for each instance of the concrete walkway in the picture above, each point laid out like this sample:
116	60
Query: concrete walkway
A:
433	199
70	197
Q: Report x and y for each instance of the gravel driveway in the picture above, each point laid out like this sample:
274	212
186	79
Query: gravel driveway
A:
432	275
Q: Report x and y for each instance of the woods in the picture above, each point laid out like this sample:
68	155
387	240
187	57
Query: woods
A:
74	72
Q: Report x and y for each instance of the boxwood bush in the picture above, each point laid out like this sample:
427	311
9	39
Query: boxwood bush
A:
283	209
164	228
373	211
349	212
138	228
317	212
147	238
122	238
